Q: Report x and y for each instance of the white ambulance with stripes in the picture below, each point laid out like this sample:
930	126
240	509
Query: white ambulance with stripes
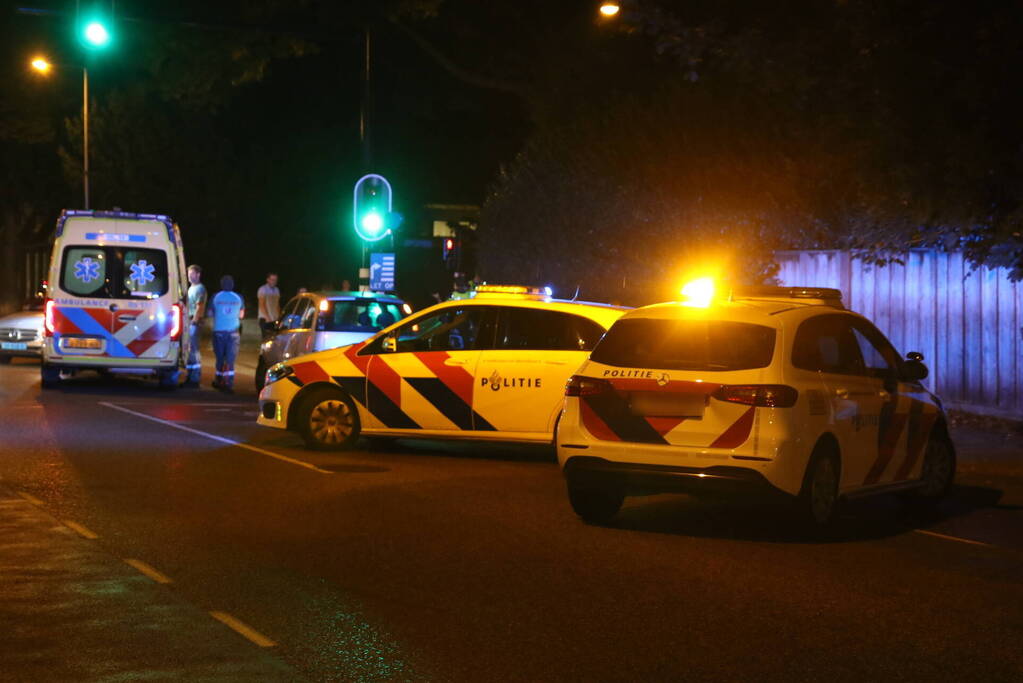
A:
768	389
491	367
116	296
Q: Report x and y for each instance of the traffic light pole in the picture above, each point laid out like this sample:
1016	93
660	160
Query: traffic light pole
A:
364	110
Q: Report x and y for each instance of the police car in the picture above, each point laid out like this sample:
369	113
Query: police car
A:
490	367
774	389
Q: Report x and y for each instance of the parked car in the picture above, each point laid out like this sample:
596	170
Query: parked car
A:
317	321
21	333
492	367
768	389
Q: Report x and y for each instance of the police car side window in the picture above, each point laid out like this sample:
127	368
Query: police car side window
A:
450	329
879	355
826	344
539	330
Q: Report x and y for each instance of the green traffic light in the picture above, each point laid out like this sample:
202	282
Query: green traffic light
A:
372	222
96	34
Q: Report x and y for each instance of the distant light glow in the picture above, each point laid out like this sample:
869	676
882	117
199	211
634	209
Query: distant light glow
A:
41	65
324	305
96	34
698	293
548	291
372	222
609	9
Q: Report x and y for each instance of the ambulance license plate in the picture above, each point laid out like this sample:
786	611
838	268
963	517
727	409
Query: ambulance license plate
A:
14	346
83	343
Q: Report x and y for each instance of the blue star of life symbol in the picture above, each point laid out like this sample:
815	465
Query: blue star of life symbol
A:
142	272
87	270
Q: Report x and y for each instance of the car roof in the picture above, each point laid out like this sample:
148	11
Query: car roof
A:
772	312
605	314
355	296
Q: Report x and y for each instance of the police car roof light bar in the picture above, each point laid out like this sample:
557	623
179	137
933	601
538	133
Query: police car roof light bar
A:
772	291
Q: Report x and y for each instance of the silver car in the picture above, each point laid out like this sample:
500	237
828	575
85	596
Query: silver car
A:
316	321
21	333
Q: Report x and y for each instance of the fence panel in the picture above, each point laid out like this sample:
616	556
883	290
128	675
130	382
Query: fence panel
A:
967	323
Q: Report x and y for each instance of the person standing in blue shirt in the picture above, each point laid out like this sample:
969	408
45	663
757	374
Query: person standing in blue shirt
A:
196	311
228	311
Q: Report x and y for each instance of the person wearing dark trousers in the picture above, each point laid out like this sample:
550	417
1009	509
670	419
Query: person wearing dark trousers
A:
228	311
196	312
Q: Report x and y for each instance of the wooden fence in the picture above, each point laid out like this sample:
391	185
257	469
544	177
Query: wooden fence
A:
967	323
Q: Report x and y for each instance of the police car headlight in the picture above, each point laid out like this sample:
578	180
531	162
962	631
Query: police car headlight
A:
278	371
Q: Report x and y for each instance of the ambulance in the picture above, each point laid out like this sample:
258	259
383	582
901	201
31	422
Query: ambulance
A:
116	298
492	367
759	390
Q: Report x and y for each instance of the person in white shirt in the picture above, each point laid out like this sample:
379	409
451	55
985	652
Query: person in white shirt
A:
269	304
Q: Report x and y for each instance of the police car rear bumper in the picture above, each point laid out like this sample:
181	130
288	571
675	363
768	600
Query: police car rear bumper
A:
587	470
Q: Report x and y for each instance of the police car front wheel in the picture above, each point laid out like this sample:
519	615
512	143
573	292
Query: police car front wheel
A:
327	420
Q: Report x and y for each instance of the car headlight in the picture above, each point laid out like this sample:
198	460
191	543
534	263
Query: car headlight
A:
278	371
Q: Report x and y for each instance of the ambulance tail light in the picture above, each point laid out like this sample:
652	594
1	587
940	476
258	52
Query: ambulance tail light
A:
760	395
175	334
48	326
586	386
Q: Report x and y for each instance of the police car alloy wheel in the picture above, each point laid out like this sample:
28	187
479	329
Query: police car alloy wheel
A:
327	420
820	490
938	470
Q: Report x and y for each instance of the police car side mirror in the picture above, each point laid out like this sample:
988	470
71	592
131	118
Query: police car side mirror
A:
913	368
390	344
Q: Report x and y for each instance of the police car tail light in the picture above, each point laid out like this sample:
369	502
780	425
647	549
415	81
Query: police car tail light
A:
760	395
586	386
48	317
175	322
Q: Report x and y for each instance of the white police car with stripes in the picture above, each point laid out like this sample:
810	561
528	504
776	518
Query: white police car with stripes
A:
491	367
768	389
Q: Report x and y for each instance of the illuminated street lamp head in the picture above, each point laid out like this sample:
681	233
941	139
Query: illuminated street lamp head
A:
41	65
609	9
96	34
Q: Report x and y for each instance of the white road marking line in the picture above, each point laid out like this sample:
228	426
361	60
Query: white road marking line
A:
952	538
148	571
244	629
80	530
221	439
30	498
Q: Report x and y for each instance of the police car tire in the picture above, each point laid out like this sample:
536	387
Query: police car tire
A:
595	505
260	374
937	474
49	376
819	498
304	417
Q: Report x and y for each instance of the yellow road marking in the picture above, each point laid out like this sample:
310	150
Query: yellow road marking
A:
951	538
149	571
81	530
30	498
222	439
244	629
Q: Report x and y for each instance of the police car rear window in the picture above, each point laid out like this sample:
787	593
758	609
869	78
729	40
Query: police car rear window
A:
114	272
686	345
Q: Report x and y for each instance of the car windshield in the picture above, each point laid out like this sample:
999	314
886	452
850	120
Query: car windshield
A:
686	345
359	315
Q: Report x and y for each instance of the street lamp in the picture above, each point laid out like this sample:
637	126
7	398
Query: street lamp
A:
609	9
43	66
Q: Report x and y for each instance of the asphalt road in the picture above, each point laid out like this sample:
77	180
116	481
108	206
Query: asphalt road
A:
251	558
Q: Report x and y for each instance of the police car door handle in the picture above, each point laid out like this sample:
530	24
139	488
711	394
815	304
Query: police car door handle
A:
842	393
454	361
884	395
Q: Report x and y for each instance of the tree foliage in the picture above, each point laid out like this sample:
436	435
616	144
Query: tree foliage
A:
751	126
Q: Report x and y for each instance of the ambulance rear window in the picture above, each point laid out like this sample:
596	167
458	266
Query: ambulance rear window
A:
104	272
686	345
